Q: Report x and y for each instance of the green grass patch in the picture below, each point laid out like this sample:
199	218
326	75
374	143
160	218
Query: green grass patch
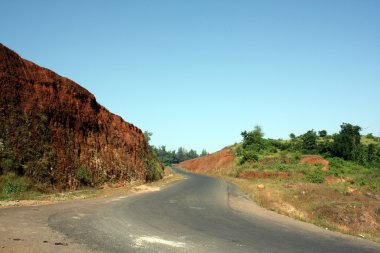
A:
13	184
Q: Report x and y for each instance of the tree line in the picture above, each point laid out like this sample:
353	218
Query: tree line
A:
168	157
347	144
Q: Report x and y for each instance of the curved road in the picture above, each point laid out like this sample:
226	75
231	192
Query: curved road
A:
198	214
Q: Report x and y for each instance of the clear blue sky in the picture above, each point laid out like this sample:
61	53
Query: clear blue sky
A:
197	73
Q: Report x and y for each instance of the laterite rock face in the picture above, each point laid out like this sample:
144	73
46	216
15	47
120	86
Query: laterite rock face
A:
51	127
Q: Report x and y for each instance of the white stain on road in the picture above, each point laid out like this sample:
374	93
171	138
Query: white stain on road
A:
139	242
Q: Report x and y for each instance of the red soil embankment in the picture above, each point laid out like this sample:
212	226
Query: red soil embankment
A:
50	127
223	159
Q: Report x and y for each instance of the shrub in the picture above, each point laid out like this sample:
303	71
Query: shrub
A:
249	155
283	167
154	171
14	184
315	176
83	175
297	157
309	140
7	165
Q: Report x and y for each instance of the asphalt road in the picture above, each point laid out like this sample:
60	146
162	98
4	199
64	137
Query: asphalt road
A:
197	214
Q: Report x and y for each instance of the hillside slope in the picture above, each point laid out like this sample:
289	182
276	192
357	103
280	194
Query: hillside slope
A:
222	160
51	128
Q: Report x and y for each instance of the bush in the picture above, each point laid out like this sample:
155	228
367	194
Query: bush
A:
309	140
7	165
315	176
154	171
14	184
249	155
83	175
283	167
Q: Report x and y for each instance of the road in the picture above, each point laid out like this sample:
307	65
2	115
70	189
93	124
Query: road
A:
197	214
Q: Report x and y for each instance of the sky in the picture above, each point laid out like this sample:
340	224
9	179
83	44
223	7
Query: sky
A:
197	73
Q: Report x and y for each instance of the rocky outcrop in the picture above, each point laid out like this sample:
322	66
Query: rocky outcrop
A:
51	129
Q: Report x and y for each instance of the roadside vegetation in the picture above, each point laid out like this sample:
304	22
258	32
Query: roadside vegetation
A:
32	197
331	180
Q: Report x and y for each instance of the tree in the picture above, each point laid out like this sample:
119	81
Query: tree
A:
192	154
371	153
347	143
324	147
322	133
309	140
253	139
181	154
147	136
204	153
292	136
164	156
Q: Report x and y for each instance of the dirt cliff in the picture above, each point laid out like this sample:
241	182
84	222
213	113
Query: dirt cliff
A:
53	131
222	160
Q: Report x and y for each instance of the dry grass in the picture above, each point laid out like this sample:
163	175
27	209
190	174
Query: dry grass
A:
325	205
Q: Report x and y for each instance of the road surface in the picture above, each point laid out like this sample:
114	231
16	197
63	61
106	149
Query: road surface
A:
197	214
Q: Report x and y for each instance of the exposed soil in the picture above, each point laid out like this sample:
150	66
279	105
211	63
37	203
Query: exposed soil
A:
221	160
314	159
50	126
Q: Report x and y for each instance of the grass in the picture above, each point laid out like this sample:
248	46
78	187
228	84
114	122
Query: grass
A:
324	205
366	140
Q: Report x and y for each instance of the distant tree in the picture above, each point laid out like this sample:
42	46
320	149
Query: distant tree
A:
192	154
322	133
370	136
147	136
309	140
347	143
204	153
174	157
292	136
181	154
164	156
253	139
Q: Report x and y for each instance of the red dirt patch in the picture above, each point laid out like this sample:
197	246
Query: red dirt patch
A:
250	174
314	159
223	159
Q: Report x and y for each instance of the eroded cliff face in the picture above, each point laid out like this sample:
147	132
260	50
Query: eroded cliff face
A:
50	127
